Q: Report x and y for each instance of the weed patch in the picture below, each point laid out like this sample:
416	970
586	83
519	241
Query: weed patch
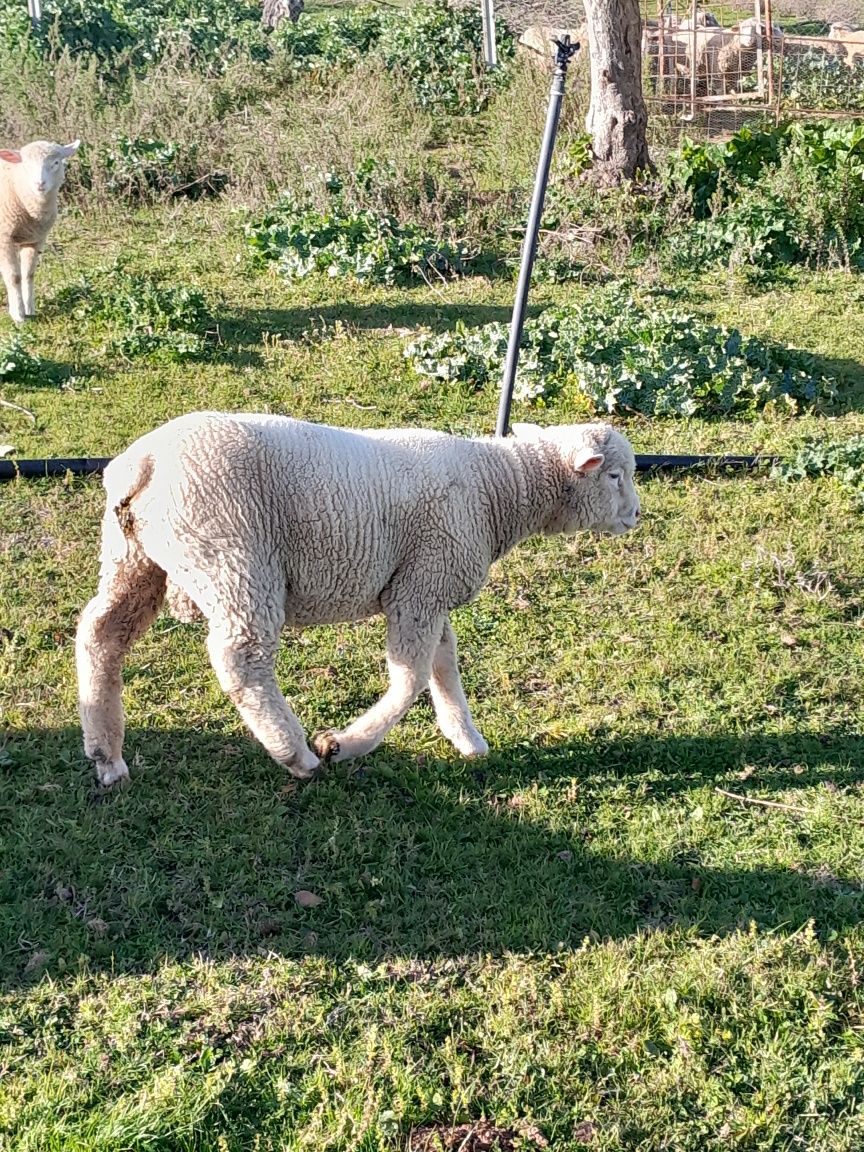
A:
345	241
17	364
842	459
140	314
622	355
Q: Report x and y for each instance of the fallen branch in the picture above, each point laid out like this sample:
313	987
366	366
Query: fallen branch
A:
765	803
18	408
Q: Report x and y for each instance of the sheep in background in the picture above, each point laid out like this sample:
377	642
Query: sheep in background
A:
260	522
851	39
30	180
678	44
731	54
539	40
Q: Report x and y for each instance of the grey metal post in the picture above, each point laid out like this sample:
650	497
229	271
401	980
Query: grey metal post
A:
490	50
34	8
529	246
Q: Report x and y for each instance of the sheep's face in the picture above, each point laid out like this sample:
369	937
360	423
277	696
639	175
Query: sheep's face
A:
40	166
600	494
747	35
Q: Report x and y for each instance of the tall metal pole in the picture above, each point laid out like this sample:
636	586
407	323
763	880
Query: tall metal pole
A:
34	8
529	246
490	50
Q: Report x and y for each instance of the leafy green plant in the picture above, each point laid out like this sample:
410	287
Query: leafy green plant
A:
842	459
626	356
142	169
17	364
817	80
142	315
343	239
439	50
324	39
794	194
122	32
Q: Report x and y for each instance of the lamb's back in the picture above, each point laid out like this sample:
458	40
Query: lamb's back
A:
336	512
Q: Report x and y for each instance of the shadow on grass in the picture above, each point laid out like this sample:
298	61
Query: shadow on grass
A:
250	325
204	851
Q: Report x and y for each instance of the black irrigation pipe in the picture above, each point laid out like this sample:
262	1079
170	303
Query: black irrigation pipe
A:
95	465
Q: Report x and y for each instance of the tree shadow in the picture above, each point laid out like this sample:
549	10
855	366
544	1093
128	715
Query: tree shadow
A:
204	851
249	325
240	328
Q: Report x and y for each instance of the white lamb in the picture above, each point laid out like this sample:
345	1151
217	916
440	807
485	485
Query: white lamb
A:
30	179
262	522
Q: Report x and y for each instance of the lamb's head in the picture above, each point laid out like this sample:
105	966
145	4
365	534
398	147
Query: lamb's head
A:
599	493
40	166
744	35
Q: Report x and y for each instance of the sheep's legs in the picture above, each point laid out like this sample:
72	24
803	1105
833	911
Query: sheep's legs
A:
10	269
245	670
127	602
409	664
29	260
448	697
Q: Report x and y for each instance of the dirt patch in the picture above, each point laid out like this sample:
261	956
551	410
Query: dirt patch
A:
481	1137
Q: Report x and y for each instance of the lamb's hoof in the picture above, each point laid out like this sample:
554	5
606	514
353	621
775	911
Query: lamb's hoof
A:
475	750
326	745
110	772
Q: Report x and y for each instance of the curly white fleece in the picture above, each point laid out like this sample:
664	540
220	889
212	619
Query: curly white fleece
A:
259	522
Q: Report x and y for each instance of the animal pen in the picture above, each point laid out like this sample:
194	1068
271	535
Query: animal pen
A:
714	69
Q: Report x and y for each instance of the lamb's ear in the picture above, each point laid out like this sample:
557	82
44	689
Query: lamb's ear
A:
68	150
10	156
587	460
527	431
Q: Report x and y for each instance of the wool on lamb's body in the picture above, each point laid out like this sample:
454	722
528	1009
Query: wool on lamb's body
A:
30	180
259	522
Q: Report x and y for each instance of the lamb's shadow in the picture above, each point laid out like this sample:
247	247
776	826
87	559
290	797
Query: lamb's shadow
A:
205	850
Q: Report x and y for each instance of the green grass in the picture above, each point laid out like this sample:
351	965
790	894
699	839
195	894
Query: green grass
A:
579	932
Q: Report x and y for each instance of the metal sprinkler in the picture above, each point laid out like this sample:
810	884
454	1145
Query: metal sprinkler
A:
565	50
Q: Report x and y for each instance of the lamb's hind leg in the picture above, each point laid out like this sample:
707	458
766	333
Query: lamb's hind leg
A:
410	647
129	597
448	697
243	658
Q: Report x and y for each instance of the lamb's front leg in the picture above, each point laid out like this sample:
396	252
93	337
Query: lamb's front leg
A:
448	697
10	269
411	645
29	260
243	660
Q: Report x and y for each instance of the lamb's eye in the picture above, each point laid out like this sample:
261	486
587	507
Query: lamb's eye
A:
616	476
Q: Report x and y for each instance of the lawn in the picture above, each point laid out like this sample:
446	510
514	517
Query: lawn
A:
636	925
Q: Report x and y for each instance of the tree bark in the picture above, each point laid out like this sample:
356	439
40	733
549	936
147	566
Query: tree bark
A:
275	11
617	117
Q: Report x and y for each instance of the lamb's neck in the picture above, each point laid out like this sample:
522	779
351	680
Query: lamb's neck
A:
41	207
523	484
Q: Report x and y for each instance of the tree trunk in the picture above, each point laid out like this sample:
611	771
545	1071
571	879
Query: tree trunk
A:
617	117
275	11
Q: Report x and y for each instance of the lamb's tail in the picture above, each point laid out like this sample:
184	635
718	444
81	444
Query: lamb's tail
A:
125	478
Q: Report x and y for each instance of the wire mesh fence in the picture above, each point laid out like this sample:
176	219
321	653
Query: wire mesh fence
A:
713	69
